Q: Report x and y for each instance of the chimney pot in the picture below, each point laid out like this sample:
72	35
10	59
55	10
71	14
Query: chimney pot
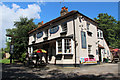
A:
40	23
64	10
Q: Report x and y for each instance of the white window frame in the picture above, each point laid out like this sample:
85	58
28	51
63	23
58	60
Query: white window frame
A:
63	48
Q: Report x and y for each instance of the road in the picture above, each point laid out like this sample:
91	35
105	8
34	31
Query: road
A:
106	71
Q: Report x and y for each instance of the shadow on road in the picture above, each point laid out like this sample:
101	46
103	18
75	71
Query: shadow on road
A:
18	71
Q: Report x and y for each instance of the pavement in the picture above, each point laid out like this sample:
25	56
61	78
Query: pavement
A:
17	71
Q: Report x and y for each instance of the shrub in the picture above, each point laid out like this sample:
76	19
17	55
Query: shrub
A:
23	56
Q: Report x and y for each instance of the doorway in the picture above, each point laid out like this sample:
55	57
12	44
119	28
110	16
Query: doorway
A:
100	57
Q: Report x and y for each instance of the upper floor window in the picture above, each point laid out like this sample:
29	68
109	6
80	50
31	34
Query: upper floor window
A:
54	29
83	37
100	34
89	33
39	34
64	27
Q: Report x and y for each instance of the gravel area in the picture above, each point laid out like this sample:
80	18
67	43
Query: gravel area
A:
17	71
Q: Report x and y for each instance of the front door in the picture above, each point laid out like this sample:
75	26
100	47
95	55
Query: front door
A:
46	46
99	54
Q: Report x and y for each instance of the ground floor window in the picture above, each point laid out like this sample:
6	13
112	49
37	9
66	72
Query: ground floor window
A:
60	46
64	46
67	45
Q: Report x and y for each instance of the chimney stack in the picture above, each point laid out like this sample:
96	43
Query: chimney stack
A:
40	23
64	11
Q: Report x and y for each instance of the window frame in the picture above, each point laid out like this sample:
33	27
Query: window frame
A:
64	27
83	40
63	46
41	32
54	29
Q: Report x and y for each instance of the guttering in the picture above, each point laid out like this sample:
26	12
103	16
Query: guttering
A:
74	37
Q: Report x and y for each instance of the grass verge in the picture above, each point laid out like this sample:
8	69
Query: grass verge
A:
6	61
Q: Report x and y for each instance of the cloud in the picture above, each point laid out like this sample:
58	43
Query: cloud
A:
15	6
9	15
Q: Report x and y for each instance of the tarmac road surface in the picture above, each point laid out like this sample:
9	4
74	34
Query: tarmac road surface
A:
106	71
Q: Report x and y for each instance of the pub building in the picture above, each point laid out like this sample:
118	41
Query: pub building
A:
71	39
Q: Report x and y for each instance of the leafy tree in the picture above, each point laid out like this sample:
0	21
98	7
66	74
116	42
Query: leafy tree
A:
21	37
2	51
117	35
109	27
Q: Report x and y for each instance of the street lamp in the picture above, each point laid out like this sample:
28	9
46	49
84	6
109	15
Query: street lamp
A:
10	40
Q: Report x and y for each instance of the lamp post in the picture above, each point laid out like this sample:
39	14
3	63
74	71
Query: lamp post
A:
10	40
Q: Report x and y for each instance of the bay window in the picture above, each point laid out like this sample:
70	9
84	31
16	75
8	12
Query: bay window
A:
67	45
64	46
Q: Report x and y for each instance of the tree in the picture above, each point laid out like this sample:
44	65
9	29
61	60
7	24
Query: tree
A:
117	35
21	37
109	26
2	51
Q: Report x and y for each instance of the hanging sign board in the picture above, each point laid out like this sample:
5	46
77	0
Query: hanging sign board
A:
9	39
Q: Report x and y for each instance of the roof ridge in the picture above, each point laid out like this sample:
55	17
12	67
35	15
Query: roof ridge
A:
51	21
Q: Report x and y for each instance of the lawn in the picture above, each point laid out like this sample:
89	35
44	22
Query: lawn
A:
5	61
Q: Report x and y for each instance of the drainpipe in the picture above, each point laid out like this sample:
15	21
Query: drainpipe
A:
74	37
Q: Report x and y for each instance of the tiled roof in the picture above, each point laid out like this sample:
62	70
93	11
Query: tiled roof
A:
59	18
